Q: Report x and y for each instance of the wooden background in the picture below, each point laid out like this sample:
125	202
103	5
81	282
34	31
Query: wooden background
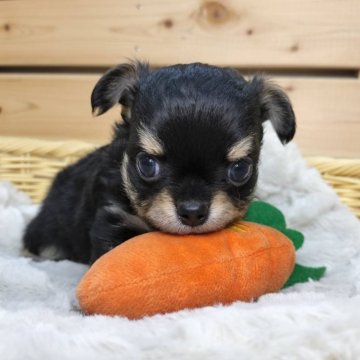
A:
52	53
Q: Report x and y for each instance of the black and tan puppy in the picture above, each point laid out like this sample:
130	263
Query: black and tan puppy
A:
184	159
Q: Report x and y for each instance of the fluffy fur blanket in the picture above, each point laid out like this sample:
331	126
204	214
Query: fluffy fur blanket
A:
316	320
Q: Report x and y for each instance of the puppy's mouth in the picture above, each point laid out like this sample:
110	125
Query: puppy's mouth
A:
162	214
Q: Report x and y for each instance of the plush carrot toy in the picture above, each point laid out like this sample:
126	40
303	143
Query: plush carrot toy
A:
159	273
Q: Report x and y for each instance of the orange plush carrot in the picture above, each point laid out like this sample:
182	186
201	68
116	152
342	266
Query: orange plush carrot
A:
159	273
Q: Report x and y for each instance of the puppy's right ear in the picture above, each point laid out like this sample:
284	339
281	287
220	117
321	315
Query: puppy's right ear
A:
275	106
117	86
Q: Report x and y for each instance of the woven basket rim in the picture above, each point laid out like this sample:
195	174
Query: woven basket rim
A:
40	147
336	166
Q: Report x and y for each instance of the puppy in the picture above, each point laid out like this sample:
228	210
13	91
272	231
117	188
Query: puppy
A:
183	160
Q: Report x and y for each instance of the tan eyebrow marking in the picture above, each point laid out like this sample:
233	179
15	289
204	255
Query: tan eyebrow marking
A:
240	149
129	189
150	143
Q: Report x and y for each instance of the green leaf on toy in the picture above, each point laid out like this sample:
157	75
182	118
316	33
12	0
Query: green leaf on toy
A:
303	274
263	213
295	236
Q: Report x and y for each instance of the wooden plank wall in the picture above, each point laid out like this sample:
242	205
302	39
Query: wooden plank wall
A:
53	52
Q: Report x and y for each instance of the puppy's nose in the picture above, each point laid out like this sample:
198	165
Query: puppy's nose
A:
192	213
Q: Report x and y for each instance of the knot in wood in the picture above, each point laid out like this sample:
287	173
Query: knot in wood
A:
214	12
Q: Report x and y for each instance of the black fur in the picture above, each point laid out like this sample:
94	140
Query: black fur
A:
197	112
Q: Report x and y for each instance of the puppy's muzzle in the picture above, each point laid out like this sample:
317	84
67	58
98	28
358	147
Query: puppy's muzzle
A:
192	212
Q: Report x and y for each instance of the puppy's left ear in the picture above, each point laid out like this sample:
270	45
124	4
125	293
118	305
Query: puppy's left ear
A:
117	86
275	106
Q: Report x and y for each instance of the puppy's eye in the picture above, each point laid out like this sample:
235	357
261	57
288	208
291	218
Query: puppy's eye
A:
147	166
239	172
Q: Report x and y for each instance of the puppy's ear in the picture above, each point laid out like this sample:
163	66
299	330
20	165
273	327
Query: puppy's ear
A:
276	107
117	86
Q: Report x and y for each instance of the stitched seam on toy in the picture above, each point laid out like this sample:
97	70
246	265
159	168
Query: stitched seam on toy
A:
239	227
194	268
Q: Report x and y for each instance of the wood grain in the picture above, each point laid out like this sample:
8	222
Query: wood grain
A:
328	115
58	107
247	33
52	106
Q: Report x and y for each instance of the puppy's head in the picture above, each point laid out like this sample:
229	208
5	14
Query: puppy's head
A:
192	136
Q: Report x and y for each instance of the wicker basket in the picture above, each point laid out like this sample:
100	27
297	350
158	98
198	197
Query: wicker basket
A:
31	164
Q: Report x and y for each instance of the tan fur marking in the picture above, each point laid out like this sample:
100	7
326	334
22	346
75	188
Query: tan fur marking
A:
130	219
128	187
150	143
240	149
161	213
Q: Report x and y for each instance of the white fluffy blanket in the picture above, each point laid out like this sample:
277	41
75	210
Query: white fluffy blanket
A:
316	320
